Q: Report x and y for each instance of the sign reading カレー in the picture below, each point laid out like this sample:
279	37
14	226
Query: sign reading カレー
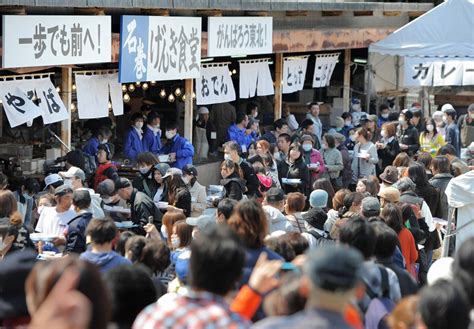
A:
56	40
229	36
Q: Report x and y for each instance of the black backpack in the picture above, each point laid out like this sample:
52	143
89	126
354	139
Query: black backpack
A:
321	238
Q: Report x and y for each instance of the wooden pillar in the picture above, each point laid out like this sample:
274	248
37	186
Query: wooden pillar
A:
346	93
188	109
278	85
66	96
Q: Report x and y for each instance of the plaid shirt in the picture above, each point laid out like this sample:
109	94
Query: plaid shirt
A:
192	310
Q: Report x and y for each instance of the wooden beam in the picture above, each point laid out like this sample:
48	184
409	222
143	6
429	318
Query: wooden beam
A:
188	110
209	12
155	12
13	10
296	13
415	13
278	86
330	13
346	93
392	13
90	11
364	13
66	96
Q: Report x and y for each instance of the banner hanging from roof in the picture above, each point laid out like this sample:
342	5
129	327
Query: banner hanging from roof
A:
32	40
255	77
159	48
215	85
323	69
425	71
229	36
294	73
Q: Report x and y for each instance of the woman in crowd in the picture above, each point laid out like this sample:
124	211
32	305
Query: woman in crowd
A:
401	162
424	158
351	207
181	237
393	217
198	192
232	181
295	203
346	172
312	157
333	161
158	173
169	219
294	167
424	189
325	185
365	156
146	182
177	193
337	204
430	139
387	147
373	128
271	169
252	149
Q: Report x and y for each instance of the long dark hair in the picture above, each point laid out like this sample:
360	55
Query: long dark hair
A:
430	121
174	182
296	145
231	164
417	174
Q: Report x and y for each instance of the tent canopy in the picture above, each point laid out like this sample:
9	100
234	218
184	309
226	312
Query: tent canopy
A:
446	30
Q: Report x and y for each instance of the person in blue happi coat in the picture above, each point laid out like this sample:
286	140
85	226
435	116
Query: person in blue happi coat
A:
238	132
152	133
102	136
180	150
133	144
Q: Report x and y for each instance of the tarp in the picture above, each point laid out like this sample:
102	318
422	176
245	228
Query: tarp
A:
446	30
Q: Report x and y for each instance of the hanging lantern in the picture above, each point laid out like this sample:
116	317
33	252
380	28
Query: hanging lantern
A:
131	87
126	98
145	86
177	92
124	88
163	93
171	98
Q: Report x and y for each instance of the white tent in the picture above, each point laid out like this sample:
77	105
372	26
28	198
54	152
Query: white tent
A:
446	30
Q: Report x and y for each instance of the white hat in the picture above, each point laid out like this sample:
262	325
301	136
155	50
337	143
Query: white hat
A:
446	107
173	171
51	179
440	269
203	110
73	172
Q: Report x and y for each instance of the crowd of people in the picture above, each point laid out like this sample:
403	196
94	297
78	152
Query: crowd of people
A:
313	226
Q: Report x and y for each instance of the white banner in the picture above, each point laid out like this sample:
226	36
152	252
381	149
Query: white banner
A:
31	40
214	86
294	72
323	69
18	106
239	36
421	71
255	77
159	48
50	102
116	96
418	72
468	73
92	96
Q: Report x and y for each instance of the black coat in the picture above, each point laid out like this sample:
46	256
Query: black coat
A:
234	187
440	181
146	180
142	207
251	179
388	154
297	170
411	138
432	197
408	285
76	233
182	200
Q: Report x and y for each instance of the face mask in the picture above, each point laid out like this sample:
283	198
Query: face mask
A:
170	134
401	121
307	147
157	126
185	179
164	232
195	234
175	242
144	170
385	115
471	115
429	128
40	209
227	157
383	133
255	115
348	123
68	182
104	141
139	125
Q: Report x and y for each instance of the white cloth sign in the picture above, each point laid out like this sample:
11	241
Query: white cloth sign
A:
32	40
255	77
239	36
18	106
214	86
423	71
294	72
92	96
115	89
323	69
51	104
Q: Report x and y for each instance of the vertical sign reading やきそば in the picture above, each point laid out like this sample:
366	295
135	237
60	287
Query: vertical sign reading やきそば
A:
239	36
159	48
56	40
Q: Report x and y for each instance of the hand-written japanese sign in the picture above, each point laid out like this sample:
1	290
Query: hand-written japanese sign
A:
56	40
255	76
438	72
24	100
214	86
323	69
239	36
294	72
159	48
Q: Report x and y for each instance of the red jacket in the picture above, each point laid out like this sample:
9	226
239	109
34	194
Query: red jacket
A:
102	173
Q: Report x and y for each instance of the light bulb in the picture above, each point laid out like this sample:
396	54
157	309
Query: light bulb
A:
153	82
183	98
194	95
73	107
124	88
145	86
126	98
230	73
171	98
163	93
131	87
109	105
58	89
74	86
177	92
234	71
137	83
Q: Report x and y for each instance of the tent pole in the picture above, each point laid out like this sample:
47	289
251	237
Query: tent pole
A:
397	81
369	83
277	106
66	96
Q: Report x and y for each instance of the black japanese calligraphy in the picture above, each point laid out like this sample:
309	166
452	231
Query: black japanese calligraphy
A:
445	74
16	101
53	106
242	35
422	71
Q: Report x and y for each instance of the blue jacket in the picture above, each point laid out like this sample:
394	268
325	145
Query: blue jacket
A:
151	142
91	146
105	260
381	121
76	233
182	147
238	135
132	146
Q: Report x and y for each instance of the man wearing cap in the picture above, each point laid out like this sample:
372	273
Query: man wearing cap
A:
388	177
179	149
75	178
133	143
370	207
408	137
106	169
152	133
110	197
273	206
52	181
200	224
316	220
279	127
331	275
76	230
389	195
203	122
141	205
53	220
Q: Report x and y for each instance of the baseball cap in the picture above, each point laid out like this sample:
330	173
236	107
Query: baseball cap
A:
189	169
173	171
162	167
62	190
275	194
334	268
203	110
202	222
339	122
372	118
51	179
73	172
371	206
389	175
123	183
446	107
391	194
318	198
106	188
